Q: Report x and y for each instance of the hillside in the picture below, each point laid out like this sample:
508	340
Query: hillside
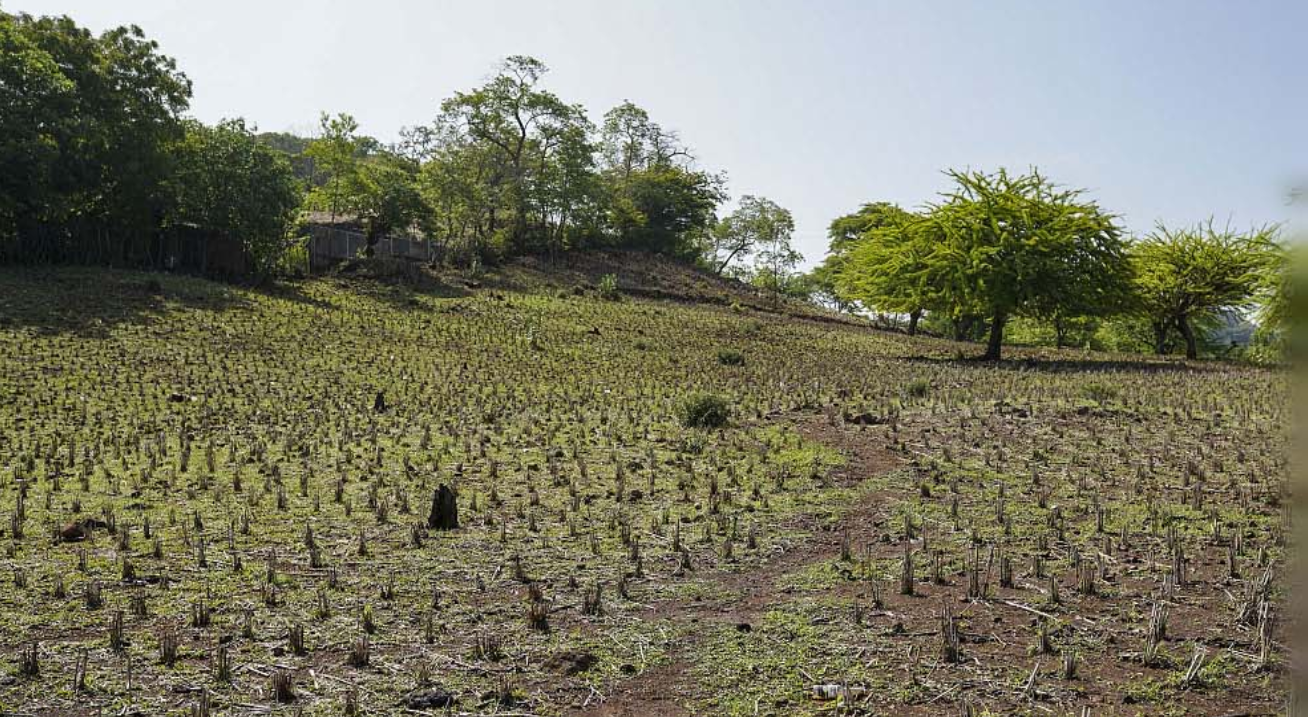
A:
231	491
637	274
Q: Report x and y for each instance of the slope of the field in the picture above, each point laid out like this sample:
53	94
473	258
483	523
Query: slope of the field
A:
206	490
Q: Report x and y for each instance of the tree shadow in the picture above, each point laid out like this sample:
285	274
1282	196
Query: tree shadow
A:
1045	364
89	302
293	292
399	286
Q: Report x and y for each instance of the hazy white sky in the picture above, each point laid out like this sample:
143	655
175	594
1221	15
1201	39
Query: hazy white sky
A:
1165	110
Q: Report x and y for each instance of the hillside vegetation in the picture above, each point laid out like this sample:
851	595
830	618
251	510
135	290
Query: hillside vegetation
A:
220	500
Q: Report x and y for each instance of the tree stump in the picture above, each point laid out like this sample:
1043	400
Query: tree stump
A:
444	509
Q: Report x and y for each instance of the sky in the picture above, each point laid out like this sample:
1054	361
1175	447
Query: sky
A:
1166	110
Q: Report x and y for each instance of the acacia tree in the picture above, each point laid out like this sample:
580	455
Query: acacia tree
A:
887	267
1018	244
884	225
1185	275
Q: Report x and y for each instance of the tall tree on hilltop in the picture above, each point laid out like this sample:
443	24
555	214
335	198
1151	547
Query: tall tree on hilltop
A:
758	225
527	131
656	200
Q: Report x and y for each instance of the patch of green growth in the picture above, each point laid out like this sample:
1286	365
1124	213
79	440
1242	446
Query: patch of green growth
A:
1100	393
705	410
918	388
608	288
731	357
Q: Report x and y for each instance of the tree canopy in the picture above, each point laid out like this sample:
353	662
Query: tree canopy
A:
228	181
86	127
102	160
1184	275
999	245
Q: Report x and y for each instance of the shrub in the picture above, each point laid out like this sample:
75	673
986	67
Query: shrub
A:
705	410
608	287
731	357
1099	392
918	388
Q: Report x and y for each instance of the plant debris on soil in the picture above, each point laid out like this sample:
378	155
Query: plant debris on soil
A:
346	496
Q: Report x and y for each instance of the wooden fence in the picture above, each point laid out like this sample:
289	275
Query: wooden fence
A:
329	245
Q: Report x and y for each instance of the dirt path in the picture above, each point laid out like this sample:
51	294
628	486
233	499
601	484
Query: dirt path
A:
662	691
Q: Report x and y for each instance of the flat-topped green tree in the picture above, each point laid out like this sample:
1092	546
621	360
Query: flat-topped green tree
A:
887	266
1003	245
1185	275
846	233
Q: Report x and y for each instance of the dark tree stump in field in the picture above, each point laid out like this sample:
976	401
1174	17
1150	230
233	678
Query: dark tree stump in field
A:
444	509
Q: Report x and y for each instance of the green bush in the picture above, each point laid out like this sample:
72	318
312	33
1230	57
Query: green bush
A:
705	410
731	357
918	388
608	287
1099	393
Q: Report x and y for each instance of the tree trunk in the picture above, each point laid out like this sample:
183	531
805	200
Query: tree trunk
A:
444	509
913	317
995	346
1187	331
723	266
1160	337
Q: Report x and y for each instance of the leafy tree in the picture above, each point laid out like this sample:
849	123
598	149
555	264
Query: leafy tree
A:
386	197
664	209
1002	245
774	265
759	225
1282	311
656	201
454	183
34	94
524	131
630	141
87	123
886	268
1186	275
847	231
336	155
228	181
565	193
